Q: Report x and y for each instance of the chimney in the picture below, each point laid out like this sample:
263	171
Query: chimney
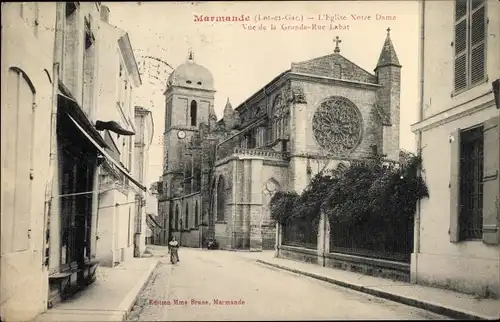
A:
105	14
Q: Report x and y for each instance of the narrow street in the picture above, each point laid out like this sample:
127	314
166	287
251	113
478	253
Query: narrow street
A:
189	291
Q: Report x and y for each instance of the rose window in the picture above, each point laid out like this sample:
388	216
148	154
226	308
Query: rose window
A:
337	125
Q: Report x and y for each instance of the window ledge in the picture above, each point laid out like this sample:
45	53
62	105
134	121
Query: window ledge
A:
455	112
221	222
455	95
472	240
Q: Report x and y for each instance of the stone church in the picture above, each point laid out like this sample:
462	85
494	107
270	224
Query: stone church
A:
219	176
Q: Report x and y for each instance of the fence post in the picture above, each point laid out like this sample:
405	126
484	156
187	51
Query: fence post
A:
321	240
326	248
277	243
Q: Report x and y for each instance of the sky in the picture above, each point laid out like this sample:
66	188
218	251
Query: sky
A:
243	60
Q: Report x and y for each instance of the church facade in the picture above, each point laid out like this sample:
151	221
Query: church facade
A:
219	176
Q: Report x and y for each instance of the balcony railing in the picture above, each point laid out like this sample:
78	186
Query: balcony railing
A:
254	152
261	153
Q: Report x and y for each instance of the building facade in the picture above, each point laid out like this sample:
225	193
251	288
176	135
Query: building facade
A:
457	227
54	149
143	139
27	83
118	204
219	176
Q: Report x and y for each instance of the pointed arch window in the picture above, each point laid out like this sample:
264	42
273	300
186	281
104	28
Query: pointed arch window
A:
186	217
286	125
193	112
196	214
176	224
221	200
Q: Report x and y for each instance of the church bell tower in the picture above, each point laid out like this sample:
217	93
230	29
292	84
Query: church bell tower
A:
189	101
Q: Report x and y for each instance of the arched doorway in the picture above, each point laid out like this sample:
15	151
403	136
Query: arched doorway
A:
267	225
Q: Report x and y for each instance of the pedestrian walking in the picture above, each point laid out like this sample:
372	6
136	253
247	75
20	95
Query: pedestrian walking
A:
173	249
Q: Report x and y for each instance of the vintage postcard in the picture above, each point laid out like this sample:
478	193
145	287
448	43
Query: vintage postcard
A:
250	160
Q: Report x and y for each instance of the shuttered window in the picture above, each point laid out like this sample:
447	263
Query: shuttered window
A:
471	183
475	183
470	43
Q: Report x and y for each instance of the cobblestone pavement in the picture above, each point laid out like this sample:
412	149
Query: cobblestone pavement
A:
218	285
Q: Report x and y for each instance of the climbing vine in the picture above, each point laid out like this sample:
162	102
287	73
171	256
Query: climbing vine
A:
282	204
364	192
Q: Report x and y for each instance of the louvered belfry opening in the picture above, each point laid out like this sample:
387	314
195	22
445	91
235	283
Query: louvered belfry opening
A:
470	43
471	183
193	112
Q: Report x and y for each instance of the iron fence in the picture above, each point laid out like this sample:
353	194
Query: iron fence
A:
388	241
300	233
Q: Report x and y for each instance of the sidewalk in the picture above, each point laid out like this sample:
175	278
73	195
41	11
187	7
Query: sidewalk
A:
109	298
444	302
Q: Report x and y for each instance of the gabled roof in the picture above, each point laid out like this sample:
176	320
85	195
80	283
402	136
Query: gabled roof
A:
334	66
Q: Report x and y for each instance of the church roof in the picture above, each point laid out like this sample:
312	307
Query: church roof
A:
388	54
334	66
192	75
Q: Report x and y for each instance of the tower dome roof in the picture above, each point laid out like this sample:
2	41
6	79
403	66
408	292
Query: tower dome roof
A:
191	75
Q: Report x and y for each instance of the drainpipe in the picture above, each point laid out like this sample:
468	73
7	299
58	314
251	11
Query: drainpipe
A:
56	66
416	234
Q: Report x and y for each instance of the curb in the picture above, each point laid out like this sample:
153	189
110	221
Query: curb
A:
435	308
128	303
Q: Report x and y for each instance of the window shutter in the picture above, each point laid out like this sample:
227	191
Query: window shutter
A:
455	187
477	42
461	55
491	182
460	9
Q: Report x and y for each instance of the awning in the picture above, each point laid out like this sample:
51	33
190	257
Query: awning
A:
152	222
107	156
68	104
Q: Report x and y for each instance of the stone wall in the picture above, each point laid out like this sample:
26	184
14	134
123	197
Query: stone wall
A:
190	238
389	102
363	98
298	254
222	237
268	236
368	266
